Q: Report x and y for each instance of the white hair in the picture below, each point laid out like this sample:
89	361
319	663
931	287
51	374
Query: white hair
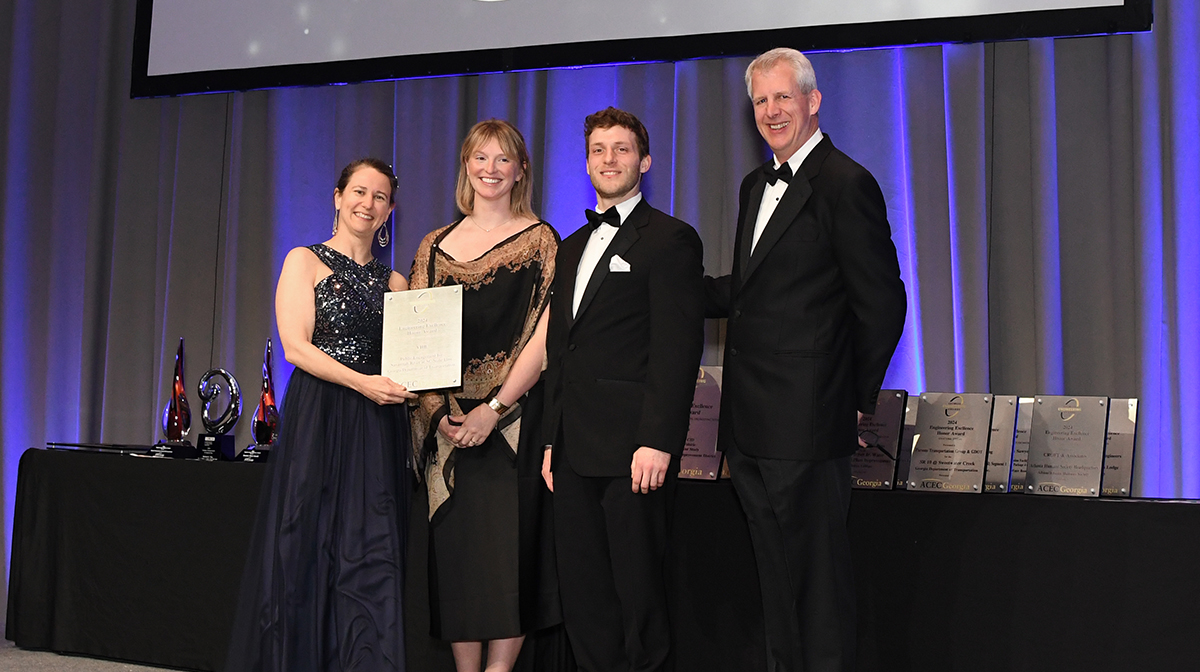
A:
806	77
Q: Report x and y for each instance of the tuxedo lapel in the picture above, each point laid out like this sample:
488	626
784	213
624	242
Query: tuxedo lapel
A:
794	198
753	203
569	254
626	236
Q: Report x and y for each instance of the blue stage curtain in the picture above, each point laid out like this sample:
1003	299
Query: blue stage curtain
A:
1044	197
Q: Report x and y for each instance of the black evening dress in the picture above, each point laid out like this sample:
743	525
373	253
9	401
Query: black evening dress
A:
322	588
491	566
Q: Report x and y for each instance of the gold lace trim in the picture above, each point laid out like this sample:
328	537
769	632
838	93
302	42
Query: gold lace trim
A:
536	244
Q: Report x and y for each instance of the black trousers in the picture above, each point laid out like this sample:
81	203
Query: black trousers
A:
797	511
611	546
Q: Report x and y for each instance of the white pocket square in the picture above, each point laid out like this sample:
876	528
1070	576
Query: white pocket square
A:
618	265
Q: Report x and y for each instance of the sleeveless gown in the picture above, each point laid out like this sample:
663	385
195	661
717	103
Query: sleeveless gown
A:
323	583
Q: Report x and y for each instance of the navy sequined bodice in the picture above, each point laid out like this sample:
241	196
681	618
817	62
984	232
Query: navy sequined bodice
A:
349	325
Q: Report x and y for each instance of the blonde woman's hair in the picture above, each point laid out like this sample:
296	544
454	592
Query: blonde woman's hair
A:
513	145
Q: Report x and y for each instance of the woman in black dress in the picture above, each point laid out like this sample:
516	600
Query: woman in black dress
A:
491	571
323	583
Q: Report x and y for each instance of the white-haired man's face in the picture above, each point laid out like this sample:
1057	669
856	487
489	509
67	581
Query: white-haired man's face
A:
786	118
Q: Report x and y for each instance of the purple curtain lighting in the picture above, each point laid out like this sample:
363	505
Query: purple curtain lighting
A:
1184	139
1044	198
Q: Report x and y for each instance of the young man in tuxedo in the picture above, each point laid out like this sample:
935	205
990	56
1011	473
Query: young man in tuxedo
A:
815	308
623	348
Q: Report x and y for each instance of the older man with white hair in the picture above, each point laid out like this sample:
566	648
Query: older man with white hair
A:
815	308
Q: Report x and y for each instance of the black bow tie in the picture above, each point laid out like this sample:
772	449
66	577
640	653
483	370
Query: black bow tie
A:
610	216
783	172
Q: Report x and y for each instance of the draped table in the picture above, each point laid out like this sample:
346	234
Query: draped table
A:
139	559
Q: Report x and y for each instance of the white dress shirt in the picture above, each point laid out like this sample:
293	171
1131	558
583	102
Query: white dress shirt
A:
773	192
596	245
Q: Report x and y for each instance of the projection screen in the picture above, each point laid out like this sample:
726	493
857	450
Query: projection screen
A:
184	46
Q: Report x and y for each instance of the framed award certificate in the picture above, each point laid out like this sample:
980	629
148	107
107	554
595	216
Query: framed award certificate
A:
422	337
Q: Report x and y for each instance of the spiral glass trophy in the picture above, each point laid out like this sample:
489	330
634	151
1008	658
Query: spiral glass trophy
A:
216	443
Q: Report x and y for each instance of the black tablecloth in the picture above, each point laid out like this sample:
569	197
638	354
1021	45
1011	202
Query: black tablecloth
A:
127	557
1025	582
139	559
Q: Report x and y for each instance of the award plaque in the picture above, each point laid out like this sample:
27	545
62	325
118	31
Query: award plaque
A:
873	467
1066	446
216	440
700	460
950	448
1000	447
1021	444
1117	480
907	433
422	337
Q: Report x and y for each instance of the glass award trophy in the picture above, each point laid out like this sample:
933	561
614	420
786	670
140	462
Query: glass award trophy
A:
214	385
176	417
265	423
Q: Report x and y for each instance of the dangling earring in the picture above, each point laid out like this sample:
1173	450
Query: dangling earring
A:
383	236
335	218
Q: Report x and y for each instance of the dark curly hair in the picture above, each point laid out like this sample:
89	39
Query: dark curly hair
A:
611	116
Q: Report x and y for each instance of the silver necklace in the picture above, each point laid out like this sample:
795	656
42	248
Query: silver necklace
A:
472	218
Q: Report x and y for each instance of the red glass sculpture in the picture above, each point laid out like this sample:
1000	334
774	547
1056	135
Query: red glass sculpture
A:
177	415
265	425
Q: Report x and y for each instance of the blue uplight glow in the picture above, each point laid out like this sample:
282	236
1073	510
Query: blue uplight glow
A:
907	371
17	408
1185	162
956	282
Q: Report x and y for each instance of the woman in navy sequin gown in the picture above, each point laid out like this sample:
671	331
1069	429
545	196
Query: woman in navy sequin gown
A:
323	585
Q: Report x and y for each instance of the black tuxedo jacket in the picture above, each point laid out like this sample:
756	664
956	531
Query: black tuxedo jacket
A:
814	314
622	373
